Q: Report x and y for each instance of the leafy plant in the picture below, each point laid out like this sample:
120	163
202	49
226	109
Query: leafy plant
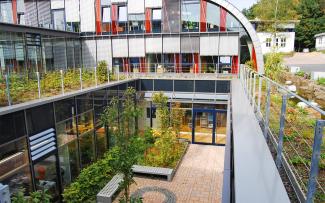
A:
273	66
176	118
40	196
321	81
102	72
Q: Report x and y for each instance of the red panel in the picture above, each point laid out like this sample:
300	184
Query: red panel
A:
114	19
14	11
126	67
142	65
196	62
98	17
148	20
223	19
177	58
234	66
254	59
203	16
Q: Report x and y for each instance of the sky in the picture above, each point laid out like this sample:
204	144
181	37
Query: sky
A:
241	4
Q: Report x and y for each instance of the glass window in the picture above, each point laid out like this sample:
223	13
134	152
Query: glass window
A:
136	23
190	15
172	16
277	42
122	20
46	176
68	150
6	12
86	142
14	166
213	17
101	141
58	19
84	103
268	42
156	20
85	122
283	42
232	23
106	15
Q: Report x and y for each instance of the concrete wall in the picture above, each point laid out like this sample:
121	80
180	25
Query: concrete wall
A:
320	43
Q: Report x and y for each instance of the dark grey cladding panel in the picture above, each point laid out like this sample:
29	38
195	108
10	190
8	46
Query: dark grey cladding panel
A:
223	86
184	85
40	118
205	86
12	126
146	85
164	85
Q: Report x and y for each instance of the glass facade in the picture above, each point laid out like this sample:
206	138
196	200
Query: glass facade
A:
190	15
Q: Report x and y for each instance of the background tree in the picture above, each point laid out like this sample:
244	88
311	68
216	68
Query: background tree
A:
121	120
312	22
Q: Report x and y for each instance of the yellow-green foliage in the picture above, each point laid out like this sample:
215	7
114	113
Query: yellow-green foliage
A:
273	65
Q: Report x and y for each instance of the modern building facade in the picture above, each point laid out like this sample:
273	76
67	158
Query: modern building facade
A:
283	41
320	42
177	36
140	36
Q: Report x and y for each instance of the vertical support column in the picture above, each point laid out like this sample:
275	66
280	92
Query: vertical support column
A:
148	20
8	89
38	85
95	69
254	90
108	73
98	17
62	81
80	78
14	11
278	160
267	110
203	16
251	87
223	19
114	19
314	168
260	81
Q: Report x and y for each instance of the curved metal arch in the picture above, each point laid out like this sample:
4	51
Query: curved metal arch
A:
249	28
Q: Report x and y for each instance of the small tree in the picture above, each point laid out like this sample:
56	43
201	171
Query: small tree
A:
121	121
176	118
273	65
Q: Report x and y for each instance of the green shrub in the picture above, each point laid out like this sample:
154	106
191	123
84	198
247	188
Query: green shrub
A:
273	65
102	72
39	196
90	181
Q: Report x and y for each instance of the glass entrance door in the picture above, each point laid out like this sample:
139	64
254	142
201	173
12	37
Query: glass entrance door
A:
203	126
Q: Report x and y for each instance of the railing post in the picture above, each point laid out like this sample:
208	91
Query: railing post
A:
8	89
312	183
281	130
251	86
260	81
247	82
95	69
254	89
38	85
62	81
118	73
107	73
267	110
80	78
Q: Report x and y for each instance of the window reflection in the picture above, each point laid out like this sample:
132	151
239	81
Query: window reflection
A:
14	166
85	122
190	15
68	150
86	142
101	141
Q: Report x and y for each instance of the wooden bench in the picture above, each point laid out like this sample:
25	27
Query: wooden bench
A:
106	194
153	171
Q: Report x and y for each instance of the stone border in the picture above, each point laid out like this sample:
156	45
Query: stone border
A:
178	163
169	195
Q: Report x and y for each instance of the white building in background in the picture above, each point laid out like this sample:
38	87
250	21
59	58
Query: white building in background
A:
320	41
283	41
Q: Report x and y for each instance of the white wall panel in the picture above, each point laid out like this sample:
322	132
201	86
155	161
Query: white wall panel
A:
229	45
104	52
72	10
135	6
120	48
136	47
154	45
153	3
209	45
171	45
57	4
190	44
89	53
87	8
118	1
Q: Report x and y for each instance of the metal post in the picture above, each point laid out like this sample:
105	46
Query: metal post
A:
107	73
62	81
249	85
281	134
38	85
247	82
80	78
8	89
118	73
312	183
254	89
267	110
95	69
260	81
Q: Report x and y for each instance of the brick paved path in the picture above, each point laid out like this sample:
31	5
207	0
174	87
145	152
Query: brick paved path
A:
198	179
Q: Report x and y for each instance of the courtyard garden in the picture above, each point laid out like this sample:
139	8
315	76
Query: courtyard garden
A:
154	147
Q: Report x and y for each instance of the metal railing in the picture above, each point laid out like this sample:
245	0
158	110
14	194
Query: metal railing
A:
19	88
294	129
